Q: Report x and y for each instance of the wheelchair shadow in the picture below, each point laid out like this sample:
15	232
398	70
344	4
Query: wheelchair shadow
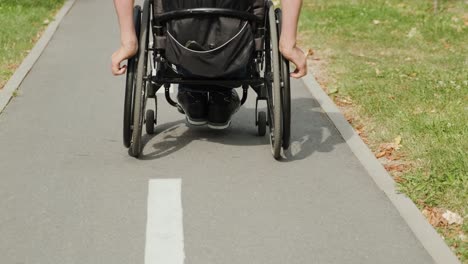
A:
312	132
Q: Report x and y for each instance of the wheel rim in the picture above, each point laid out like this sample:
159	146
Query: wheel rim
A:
130	85
140	90
274	89
285	90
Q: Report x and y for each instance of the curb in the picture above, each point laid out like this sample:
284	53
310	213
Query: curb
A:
424	232
15	81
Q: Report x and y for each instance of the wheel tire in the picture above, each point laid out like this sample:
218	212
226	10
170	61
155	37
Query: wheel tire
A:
130	86
261	123
276	129
150	122
140	89
285	92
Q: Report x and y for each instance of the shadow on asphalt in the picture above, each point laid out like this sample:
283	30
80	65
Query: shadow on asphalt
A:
312	131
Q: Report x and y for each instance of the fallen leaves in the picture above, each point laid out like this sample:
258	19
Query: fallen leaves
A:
343	101
399	179
400	167
360	129
387	150
452	218
381	154
349	117
439	217
434	216
449	224
397	142
390	158
12	66
346	105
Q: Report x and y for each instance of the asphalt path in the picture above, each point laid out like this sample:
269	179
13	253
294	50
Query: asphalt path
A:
69	193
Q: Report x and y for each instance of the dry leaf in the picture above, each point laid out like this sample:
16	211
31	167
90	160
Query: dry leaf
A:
399	179
360	129
365	139
388	149
310	52
395	167
381	154
12	66
397	142
394	157
434	216
452	218
349	118
343	101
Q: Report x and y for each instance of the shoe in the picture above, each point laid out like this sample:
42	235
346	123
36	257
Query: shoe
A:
195	106
221	107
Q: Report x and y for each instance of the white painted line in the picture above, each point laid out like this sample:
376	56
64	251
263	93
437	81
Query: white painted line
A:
171	89
421	228
15	81
164	226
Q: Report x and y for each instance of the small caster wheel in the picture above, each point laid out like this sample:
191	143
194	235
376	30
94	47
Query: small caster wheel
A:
150	122
261	123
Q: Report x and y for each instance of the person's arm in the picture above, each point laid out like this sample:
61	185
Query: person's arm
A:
288	47
128	38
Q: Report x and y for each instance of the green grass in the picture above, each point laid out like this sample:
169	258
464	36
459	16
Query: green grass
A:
21	21
406	70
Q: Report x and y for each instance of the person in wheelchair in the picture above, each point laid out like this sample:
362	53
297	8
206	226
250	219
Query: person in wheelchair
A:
214	108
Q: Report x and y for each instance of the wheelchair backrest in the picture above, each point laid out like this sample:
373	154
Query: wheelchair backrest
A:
257	7
213	45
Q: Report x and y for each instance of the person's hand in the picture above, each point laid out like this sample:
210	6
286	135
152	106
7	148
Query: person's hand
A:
123	53
295	55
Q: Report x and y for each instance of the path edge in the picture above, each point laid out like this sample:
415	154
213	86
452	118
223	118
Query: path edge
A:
424	232
20	74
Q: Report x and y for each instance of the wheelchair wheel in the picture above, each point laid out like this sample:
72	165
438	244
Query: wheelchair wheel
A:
285	91
286	94
130	85
150	121
140	95
274	94
261	123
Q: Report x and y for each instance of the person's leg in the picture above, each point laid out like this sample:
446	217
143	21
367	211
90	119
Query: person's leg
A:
215	108
194	104
222	105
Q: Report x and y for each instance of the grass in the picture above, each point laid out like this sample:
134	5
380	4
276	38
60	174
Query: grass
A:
22	22
405	70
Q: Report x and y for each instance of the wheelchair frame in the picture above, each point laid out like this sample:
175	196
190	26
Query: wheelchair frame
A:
268	75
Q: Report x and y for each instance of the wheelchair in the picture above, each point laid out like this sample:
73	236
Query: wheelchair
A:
250	43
